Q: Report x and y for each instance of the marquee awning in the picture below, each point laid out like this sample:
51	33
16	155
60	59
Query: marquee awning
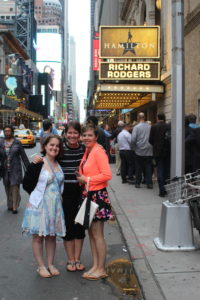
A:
120	96
24	112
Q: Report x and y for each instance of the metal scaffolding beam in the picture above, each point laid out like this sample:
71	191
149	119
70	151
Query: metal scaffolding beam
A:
24	11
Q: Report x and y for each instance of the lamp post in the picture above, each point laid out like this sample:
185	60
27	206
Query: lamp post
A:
178	101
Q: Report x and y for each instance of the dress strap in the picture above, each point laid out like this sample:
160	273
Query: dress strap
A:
53	172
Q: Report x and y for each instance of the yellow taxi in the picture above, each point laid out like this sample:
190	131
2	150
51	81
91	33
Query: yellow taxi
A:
26	137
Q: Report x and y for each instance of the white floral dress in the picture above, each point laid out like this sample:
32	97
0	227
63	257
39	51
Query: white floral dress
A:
48	217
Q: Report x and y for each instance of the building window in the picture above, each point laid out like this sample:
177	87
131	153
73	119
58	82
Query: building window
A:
11	9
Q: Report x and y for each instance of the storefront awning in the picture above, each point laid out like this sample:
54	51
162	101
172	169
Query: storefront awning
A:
29	113
120	96
23	111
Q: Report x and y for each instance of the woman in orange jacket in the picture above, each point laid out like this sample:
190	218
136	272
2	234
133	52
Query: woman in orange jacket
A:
95	168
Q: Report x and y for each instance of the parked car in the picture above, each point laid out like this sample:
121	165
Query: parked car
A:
26	137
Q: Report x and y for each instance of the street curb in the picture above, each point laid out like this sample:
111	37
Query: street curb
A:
150	287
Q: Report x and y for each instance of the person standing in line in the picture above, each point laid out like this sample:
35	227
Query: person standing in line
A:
119	128
143	151
101	134
11	155
95	170
126	154
73	152
161	151
43	216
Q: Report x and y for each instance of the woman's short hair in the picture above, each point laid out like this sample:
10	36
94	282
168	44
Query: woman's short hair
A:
47	140
90	127
10	127
73	124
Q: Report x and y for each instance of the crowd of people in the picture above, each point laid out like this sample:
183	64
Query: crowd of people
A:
75	166
143	151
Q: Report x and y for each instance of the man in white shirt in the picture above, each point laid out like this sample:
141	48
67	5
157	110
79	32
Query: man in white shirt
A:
126	154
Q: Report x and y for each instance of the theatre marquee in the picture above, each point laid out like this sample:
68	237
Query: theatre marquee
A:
129	71
129	41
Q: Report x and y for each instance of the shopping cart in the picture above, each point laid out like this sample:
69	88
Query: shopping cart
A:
186	189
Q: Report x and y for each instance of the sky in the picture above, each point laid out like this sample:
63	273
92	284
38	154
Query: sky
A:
79	28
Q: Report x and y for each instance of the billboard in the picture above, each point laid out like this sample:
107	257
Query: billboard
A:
49	56
129	41
129	71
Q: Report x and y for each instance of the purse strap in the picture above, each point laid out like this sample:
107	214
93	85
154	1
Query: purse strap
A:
87	184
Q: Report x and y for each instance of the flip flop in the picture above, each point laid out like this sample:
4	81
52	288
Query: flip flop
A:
71	264
78	263
43	272
92	276
53	270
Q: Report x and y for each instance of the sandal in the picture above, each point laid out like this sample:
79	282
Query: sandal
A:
53	270
79	265
43	272
93	276
71	266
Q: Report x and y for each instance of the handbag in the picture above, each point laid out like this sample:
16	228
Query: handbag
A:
87	210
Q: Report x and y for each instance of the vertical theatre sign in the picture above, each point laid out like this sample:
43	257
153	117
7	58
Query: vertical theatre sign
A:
96	52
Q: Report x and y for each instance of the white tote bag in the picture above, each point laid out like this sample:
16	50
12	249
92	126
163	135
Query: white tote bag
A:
80	217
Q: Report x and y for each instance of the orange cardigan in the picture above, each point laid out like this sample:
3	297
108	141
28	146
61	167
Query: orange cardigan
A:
96	166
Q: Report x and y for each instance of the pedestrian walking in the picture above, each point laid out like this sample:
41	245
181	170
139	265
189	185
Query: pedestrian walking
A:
143	151
161	151
43	216
126	154
12	154
95	169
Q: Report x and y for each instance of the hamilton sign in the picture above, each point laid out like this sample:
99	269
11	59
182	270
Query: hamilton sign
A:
129	41
129	71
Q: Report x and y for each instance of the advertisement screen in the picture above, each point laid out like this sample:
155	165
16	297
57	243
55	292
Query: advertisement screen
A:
49	56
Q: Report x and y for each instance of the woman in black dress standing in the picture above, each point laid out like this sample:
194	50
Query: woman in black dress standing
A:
75	233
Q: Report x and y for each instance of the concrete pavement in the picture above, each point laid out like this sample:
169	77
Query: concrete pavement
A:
169	275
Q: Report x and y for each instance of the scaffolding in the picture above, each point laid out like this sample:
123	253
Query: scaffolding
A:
24	12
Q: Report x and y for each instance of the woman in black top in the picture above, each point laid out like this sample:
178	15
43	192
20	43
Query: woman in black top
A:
75	233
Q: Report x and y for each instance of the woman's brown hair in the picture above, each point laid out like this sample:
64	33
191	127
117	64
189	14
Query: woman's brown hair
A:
47	140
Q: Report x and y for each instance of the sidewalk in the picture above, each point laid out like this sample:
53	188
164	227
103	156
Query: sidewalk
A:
173	275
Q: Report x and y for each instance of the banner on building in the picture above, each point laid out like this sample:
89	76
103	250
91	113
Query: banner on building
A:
129	71
129	41
96	52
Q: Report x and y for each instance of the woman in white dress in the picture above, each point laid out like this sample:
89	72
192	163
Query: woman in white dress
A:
43	217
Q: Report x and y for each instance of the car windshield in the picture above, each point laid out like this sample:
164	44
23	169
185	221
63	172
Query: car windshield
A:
21	131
